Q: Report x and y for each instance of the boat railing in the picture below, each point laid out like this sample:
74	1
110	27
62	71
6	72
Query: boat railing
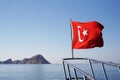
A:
67	66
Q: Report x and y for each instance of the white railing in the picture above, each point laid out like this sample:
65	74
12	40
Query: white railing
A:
67	71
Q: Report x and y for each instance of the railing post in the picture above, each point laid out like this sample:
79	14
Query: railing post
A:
76	78
91	68
119	69
104	72
69	71
84	77
64	70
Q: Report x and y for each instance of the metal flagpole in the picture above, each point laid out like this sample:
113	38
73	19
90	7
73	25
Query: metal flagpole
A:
71	38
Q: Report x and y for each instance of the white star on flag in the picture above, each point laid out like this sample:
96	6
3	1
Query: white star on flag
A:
85	32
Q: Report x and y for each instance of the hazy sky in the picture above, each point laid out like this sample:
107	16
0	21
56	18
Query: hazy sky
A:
30	27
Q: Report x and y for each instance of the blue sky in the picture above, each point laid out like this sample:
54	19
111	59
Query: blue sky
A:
30	27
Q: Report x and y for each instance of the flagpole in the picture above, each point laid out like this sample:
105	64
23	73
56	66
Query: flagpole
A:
71	38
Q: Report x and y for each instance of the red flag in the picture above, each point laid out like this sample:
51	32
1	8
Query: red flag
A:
86	35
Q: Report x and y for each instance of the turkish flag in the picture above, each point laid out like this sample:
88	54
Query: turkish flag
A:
86	35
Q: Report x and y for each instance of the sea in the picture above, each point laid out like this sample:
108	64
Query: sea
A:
45	72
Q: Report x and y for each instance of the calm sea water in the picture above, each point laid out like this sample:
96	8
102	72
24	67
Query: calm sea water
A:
31	72
42	72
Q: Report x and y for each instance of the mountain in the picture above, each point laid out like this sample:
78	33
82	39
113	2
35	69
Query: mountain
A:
8	61
37	59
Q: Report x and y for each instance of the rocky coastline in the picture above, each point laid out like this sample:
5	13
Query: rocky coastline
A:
37	59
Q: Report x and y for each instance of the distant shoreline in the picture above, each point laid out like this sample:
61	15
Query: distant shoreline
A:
37	59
